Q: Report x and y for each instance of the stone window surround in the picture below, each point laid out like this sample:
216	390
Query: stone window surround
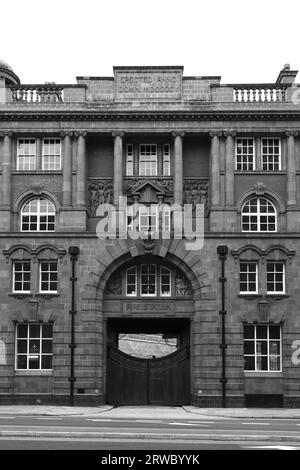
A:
261	257
39	145
28	371
256	373
160	152
271	214
36	191
176	277
34	256
257	190
258	167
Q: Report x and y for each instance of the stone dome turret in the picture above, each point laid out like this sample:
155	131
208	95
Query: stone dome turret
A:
7	73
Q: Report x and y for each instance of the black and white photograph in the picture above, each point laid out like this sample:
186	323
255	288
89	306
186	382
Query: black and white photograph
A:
149	231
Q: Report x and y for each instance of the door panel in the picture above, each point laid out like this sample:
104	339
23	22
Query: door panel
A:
135	381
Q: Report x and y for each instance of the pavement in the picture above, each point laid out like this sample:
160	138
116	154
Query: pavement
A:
106	413
184	412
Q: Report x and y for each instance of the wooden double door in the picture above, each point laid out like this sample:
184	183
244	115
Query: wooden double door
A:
158	381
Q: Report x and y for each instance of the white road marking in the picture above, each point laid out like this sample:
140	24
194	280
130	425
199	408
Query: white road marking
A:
273	447
258	424
98	420
187	424
149	421
202	422
7	417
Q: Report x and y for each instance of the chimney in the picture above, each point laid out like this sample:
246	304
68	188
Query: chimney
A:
286	75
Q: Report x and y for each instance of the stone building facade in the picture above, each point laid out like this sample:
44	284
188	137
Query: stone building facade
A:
159	138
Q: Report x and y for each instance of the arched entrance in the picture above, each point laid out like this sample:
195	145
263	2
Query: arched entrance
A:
148	298
163	380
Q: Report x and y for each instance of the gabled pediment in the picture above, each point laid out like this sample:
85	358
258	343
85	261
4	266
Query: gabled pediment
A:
142	186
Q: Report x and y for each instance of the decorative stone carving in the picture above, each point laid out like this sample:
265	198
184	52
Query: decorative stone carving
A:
196	192
259	188
99	192
114	285
132	183
37	189
182	285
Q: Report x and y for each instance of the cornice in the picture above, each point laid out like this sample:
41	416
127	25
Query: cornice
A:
133	115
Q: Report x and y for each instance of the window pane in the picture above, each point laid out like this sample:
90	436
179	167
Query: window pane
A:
47	331
34	331
34	362
249	363
274	331
249	347
46	362
22	362
22	346
261	331
248	331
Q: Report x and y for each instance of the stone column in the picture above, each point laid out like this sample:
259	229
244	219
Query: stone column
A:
291	168
178	167
229	168
67	169
118	166
215	168
6	171
81	170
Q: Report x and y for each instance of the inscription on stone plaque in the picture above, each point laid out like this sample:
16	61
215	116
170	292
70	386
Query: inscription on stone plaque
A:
147	307
148	84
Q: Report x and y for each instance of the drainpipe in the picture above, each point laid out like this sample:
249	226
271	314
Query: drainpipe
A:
73	252
222	251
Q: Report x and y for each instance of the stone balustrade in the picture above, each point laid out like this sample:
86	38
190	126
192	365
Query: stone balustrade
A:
38	93
259	93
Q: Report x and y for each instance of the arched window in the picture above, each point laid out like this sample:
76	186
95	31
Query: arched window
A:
38	215
259	215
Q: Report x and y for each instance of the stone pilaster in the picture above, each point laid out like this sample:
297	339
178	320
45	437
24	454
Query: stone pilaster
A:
229	168
291	168
68	217
81	170
73	216
215	168
118	166
293	213
5	216
178	167
216	212
67	169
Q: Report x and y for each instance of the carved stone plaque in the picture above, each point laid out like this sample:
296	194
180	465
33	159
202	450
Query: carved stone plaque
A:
148	307
148	83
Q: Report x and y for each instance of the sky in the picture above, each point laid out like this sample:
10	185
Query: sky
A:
242	41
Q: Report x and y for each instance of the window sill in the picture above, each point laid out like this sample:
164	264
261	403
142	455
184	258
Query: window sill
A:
37	172
33	372
20	295
250	296
47	295
277	296
263	296
263	374
260	172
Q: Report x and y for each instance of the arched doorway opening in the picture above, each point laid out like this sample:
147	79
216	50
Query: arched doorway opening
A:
149	303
